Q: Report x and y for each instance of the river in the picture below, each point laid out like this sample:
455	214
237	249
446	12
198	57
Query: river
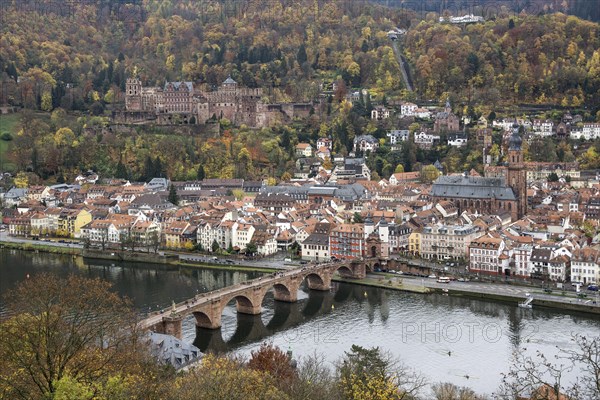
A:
467	342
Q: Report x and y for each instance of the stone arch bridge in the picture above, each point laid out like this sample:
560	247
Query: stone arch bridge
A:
207	308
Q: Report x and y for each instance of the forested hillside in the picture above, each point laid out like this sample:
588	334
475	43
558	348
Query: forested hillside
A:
552	58
75	54
287	46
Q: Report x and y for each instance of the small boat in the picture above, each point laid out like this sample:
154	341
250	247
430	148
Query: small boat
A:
527	303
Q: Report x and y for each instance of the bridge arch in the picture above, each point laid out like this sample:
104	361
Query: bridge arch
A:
245	304
317	281
204	320
343	270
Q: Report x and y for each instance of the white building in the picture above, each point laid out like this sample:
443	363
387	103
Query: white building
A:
589	131
487	256
521	257
365	143
425	140
303	150
585	266
457	140
444	242
398	135
543	127
324	142
380	113
316	246
408	109
241	235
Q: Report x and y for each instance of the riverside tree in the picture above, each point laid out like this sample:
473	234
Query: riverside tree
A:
65	330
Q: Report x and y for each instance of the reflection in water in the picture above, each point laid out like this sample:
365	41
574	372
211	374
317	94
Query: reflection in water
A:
444	337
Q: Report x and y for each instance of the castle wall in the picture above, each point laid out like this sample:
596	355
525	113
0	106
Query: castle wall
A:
175	105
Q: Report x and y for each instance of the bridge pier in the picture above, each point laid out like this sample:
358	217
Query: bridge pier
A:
170	325
322	283
289	292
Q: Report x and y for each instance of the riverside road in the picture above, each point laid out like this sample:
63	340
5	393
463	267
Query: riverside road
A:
495	289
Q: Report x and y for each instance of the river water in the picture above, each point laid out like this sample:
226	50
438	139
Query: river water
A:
467	342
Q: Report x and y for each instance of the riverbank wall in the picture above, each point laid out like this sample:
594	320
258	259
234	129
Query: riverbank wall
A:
570	304
129	256
171	260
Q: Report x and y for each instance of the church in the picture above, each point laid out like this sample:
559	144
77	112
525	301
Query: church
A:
488	195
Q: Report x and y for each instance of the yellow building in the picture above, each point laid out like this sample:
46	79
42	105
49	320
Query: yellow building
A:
84	217
414	243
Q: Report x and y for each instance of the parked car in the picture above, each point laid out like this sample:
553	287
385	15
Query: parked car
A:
593	288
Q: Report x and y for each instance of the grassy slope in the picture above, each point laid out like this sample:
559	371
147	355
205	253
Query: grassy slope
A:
8	123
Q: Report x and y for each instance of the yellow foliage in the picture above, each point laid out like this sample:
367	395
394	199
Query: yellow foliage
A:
370	388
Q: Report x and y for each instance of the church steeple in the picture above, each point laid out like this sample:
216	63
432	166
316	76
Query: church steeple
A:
516	175
448	106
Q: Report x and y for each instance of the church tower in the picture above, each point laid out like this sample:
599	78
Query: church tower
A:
516	175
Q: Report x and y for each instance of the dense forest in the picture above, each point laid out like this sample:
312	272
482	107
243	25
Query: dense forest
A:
76	54
71	59
549	59
81	54
489	8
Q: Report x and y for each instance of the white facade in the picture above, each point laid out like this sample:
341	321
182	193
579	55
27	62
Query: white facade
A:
543	128
521	256
447	241
397	135
425	139
268	248
457	141
589	131
408	109
241	235
380	113
585	266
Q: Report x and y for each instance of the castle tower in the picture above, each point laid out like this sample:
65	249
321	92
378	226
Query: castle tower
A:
516	175
133	94
229	85
384	236
369	226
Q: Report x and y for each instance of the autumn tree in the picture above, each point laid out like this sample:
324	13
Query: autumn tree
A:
449	391
429	173
71	327
372	374
271	359
221	378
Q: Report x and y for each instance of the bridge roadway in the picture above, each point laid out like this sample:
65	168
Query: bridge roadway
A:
208	307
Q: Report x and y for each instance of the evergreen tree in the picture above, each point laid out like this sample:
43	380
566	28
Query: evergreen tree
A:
301	56
121	171
173	197
200	175
158	168
148	169
364	47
